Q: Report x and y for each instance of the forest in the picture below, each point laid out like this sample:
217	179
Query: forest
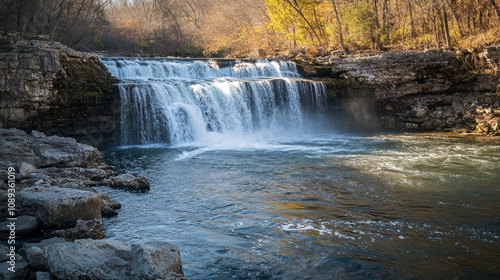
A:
255	27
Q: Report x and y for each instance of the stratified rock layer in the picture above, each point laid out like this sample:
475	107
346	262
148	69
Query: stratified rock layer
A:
412	91
49	87
56	207
54	180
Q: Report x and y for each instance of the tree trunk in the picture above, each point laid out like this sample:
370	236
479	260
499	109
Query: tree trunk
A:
446	29
377	31
299	11
457	18
436	31
341	37
412	23
497	10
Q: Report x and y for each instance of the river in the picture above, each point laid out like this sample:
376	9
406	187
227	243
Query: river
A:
319	207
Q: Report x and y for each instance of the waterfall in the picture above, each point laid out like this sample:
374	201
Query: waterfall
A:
181	101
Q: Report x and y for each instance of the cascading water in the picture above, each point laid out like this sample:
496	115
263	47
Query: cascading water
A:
181	101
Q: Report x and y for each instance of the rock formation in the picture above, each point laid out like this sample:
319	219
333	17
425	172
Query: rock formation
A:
413	91
56	195
49	87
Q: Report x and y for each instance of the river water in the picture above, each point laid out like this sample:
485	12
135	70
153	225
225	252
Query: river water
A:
249	180
319	206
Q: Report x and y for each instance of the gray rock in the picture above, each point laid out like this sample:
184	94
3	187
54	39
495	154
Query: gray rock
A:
107	211
36	259
89	259
156	260
24	226
12	132
17	146
109	205
42	275
44	243
3	253
129	182
420	112
38	134
83	229
109	260
66	152
22	271
56	207
26	169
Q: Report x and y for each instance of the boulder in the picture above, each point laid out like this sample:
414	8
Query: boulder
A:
66	152
89	259
3	253
35	255
56	207
42	244
129	182
83	229
41	151
24	226
38	134
42	275
156	260
36	259
109	260
15	148
109	205
21	271
26	169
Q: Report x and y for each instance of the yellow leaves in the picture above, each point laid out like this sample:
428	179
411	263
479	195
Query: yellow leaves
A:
286	19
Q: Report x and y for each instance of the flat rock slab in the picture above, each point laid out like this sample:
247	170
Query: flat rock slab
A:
89	259
24	226
56	207
111	260
21	271
17	147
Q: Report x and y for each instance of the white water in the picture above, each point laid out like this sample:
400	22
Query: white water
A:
183	101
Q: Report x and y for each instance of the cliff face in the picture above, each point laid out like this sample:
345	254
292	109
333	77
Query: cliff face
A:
409	91
49	87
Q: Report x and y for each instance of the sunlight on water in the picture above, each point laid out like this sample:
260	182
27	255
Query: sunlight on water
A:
432	160
319	206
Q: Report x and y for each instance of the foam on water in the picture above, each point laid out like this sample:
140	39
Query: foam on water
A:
428	159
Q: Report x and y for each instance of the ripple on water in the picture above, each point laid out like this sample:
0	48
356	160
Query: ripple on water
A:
328	207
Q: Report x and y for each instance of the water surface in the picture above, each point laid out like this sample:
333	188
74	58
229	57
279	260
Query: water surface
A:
318	206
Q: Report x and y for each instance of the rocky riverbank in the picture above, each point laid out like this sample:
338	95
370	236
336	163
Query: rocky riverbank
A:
52	185
412	91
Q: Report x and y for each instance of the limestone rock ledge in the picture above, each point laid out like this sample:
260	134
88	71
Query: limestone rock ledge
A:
56	180
412	91
52	88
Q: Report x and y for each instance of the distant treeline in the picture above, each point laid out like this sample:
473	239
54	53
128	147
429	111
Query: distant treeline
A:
244	27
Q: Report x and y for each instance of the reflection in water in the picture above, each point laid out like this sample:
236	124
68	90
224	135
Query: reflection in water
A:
329	207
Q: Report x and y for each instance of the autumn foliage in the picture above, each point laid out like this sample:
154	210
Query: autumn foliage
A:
255	27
